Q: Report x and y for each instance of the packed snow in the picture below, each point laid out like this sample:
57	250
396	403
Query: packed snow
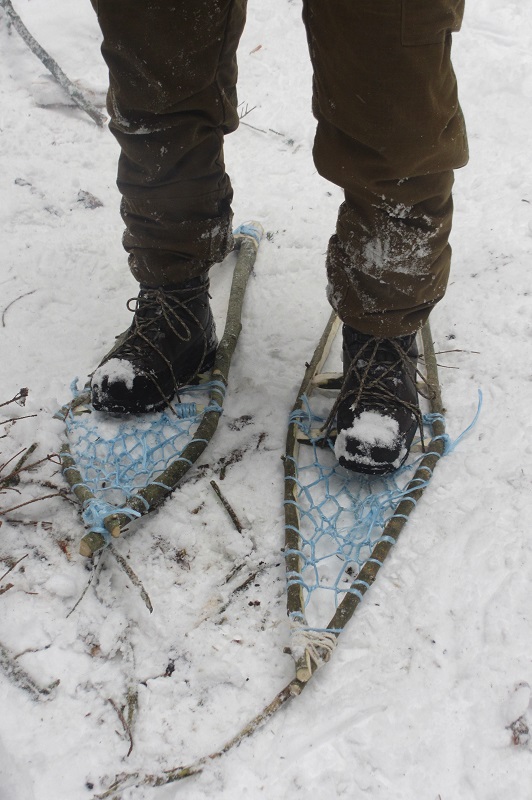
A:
116	370
372	428
428	694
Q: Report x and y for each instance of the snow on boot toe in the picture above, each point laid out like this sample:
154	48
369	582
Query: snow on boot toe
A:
378	412
171	339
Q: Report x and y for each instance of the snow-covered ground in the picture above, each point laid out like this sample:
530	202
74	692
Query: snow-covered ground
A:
428	695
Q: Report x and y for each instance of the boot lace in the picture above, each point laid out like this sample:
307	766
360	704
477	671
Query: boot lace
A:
151	309
372	370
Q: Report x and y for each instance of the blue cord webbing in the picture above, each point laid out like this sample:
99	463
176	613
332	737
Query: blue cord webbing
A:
117	457
342	515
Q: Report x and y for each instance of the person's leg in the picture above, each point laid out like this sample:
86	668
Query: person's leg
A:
172	97
390	132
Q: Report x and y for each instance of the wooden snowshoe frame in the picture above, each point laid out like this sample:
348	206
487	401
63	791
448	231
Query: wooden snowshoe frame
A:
247	240
306	661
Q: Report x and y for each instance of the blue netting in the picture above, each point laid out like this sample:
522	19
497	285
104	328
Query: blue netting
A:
117	456
342	517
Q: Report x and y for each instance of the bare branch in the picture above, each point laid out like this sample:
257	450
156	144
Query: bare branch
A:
125	725
31	522
21	395
12	478
26	294
236	522
13	567
246	110
20	677
16	419
77	96
134	578
4	511
93	574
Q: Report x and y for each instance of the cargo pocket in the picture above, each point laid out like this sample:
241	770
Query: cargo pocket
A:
430	21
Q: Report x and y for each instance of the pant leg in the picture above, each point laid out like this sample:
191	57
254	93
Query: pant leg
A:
172	97
390	133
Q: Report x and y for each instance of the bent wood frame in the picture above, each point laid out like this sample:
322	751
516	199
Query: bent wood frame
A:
305	664
247	240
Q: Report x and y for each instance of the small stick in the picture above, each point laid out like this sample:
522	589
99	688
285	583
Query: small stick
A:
135	580
132	704
247	110
456	350
254	127
13	567
11	459
20	464
16	419
20	677
33	523
26	294
93	574
249	580
28	502
20	396
240	588
77	96
12	478
125	725
236	522
6	588
236	569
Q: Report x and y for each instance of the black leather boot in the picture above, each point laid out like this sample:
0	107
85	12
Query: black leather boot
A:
171	340
378	413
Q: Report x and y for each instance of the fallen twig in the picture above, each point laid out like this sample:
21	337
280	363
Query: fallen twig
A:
134	578
21	395
125	725
457	350
32	649
236	522
235	570
240	588
245	111
26	294
132	705
93	574
76	94
260	130
4	511
10	479
20	677
13	567
3	466
46	525
22	466
16	419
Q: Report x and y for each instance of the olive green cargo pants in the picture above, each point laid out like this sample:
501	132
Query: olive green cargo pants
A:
390	133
